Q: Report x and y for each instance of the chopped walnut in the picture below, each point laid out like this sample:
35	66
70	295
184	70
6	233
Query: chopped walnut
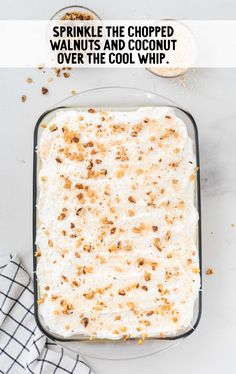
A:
61	216
44	90
209	271
53	128
84	321
147	276
37	253
67	184
41	300
87	248
88	144
168	235
89	295
131	199
121	292
157	244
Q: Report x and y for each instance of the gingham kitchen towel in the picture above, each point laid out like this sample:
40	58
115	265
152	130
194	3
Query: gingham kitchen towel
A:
23	347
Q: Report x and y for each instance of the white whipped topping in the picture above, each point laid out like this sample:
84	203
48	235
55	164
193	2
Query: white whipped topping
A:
100	272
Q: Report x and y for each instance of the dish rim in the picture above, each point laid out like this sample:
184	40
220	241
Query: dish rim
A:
57	107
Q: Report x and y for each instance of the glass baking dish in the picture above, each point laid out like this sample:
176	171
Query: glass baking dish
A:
117	98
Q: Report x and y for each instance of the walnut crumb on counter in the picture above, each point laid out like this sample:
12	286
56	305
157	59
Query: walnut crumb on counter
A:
210	271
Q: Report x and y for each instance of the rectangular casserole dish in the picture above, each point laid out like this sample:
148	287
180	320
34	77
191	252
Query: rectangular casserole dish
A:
105	99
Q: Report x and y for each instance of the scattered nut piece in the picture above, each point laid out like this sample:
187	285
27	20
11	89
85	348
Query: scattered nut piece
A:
210	271
23	98
132	199
44	90
121	292
84	321
157	244
37	253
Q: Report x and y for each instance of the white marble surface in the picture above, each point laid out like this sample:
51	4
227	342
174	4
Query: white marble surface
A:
210	95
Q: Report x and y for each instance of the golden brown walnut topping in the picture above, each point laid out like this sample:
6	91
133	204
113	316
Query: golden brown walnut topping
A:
103	172
89	295
132	199
88	144
84	269
78	211
41	300
37	253
53	128
50	243
79	186
67	183
91	110
73	16
120	173
75	139
140	261
209	271
154	228
75	283
84	321
157	244
168	235
131	213
80	157
58	160
121	292
87	248
61	216
147	276
80	197
44	90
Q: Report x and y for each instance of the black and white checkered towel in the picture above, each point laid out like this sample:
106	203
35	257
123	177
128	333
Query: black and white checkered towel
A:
23	347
